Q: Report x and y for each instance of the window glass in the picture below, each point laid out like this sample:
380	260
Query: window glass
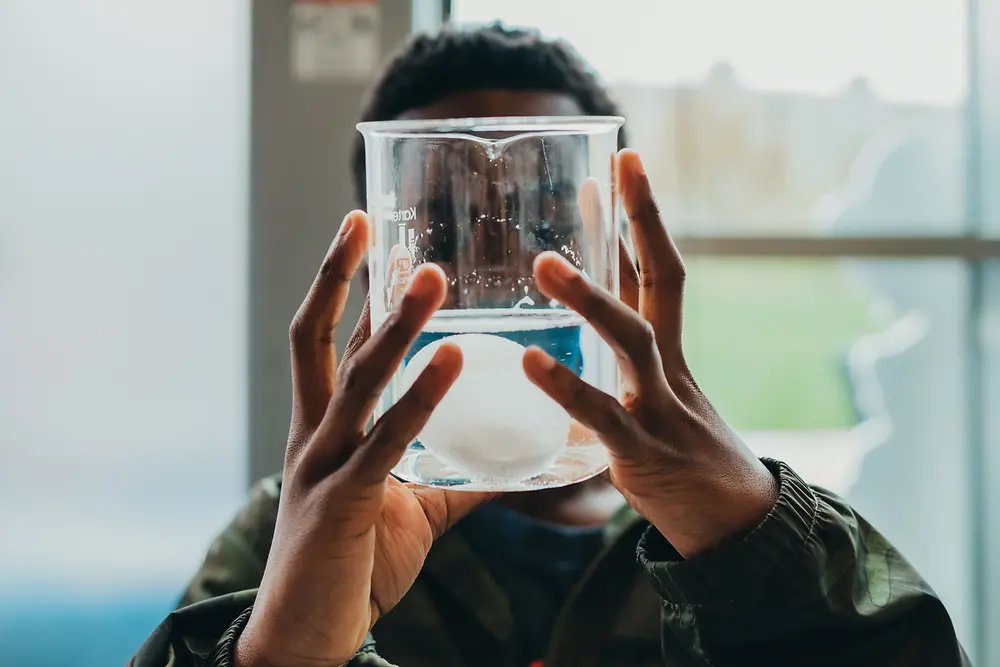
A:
122	287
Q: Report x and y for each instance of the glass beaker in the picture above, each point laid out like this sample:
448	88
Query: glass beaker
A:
481	198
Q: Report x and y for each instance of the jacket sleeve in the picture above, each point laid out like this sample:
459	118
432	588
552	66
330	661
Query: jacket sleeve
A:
814	584
217	602
204	634
235	560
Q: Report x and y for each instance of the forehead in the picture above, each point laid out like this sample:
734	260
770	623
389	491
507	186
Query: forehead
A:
481	103
497	103
458	166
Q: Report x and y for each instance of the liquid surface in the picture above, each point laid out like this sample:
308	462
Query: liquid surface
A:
556	331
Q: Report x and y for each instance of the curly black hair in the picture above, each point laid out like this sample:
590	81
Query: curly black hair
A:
429	67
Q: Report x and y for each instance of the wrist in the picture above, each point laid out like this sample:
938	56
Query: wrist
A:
250	651
225	654
258	646
243	655
715	507
246	654
744	573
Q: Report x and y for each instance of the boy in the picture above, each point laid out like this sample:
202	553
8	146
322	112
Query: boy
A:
741	563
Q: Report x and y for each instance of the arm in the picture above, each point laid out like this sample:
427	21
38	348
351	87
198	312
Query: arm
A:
754	567
343	540
814	584
204	635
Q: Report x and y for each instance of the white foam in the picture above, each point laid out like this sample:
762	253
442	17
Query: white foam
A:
493	424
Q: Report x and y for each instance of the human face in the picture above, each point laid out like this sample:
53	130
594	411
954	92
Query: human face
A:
484	259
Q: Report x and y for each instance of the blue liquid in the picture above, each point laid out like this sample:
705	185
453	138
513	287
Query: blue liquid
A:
560	343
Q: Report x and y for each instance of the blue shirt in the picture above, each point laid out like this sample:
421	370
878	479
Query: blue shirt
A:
536	563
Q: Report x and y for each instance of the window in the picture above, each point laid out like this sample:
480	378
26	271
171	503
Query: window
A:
123	343
814	161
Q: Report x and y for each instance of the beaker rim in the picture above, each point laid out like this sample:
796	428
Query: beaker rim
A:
458	126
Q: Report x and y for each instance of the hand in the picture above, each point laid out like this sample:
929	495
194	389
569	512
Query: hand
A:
349	540
672	457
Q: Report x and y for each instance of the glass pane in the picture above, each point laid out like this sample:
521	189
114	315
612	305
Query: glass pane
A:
854	373
123	344
850	122
785	329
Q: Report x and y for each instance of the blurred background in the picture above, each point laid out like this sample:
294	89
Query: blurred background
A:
172	172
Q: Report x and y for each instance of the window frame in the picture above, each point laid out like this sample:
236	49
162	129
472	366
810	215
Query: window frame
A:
983	217
977	246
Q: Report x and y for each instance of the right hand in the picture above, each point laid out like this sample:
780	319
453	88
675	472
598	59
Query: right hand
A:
349	539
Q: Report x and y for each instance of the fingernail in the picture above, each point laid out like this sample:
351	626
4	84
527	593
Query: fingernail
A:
421	285
546	362
562	270
346	225
345	229
637	166
441	355
437	359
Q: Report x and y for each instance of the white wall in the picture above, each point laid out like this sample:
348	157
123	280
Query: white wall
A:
123	287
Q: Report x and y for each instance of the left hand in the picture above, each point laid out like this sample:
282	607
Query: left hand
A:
672	456
350	539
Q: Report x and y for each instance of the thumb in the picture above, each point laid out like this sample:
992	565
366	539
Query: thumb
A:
444	507
629	277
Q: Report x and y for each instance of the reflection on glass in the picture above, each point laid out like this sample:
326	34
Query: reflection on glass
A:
483	219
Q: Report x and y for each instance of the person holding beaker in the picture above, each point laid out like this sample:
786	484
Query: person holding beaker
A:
695	552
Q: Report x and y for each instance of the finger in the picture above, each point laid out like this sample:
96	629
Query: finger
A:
362	332
386	442
592	215
598	411
367	372
624	330
363	329
444	508
593	244
629	277
661	269
312	333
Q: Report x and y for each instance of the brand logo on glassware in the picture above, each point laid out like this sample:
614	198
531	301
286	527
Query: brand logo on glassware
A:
403	214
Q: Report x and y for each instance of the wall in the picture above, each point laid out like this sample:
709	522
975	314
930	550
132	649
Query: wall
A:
301	189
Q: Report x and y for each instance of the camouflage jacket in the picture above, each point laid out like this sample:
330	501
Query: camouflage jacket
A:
814	584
